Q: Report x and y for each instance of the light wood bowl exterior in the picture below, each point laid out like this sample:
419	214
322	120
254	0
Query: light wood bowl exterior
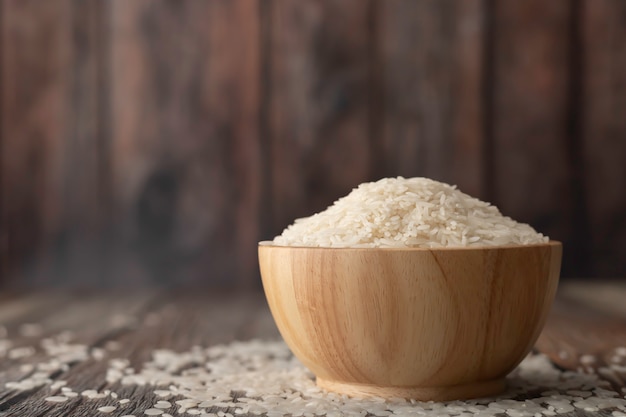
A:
436	324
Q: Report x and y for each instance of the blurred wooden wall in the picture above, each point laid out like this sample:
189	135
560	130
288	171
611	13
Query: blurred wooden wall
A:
154	141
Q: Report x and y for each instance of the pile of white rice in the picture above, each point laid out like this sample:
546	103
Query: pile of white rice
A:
408	212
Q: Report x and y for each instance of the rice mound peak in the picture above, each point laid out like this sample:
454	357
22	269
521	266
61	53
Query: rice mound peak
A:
408	212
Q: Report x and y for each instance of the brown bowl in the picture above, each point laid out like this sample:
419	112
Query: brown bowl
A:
427	324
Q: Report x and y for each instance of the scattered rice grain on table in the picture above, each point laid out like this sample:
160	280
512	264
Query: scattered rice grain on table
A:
262	377
408	212
56	399
163	404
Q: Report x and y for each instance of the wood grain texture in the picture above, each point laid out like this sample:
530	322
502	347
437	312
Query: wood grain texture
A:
605	297
587	331
158	141
139	322
319	104
424	324
36	44
83	247
52	164
604	131
566	344
115	316
185	152
530	92
432	59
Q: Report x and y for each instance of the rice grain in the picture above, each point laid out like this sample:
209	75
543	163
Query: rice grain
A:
408	212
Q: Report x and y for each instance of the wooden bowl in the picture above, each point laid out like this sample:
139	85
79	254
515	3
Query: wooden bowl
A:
427	324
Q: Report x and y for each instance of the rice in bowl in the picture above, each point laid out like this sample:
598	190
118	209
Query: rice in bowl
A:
408	212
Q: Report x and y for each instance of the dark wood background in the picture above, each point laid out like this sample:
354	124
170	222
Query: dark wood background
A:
154	141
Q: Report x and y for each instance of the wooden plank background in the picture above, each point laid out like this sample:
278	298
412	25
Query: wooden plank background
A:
156	141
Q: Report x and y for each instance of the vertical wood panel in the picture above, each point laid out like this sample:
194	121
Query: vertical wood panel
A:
530	87
36	44
81	248
4	233
168	132
320	104
604	132
185	146
433	62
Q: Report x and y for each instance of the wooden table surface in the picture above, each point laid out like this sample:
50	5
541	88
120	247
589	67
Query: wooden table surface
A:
587	319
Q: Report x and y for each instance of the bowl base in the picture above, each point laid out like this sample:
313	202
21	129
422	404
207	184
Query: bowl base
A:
454	392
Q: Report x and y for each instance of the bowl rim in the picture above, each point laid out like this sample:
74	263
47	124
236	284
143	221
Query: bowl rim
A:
550	243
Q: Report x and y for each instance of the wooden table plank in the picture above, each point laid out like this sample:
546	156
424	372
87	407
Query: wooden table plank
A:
24	307
586	329
137	324
90	320
606	296
133	325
